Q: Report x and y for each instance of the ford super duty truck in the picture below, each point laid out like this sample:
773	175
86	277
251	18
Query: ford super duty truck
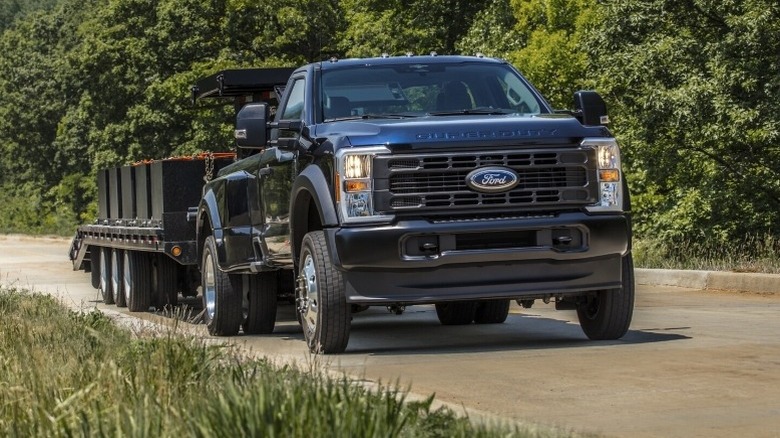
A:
390	181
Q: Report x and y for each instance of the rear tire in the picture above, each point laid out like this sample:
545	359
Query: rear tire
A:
260	303
325	314
222	310
117	282
491	312
138	281
456	312
106	289
94	265
607	314
165	281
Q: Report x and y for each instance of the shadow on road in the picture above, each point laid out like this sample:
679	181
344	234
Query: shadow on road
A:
421	333
418	331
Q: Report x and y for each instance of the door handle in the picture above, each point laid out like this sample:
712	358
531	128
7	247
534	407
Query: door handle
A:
265	171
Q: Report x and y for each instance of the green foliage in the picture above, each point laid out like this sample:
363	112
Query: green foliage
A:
398	27
66	373
694	89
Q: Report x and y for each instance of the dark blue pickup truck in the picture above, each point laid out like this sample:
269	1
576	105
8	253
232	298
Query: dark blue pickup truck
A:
395	181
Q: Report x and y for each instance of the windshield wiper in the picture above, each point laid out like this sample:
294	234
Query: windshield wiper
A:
372	116
473	111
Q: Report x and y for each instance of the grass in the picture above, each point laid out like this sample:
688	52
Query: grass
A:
66	373
752	254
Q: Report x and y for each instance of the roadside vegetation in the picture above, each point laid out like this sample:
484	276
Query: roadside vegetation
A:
752	254
66	373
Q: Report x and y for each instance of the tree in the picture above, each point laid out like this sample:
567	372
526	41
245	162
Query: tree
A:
398	27
694	86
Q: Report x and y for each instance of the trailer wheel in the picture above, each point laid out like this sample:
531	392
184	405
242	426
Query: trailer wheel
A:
325	313
94	266
456	312
607	314
491	312
117	283
106	289
222	299
260	303
137	281
165	281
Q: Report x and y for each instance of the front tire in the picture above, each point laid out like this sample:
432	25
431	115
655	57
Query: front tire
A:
260	303
222	299
607	314
325	314
456	312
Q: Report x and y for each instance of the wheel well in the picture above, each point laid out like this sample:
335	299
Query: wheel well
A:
204	231
306	219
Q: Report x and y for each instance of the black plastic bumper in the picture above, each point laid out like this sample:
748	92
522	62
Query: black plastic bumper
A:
418	261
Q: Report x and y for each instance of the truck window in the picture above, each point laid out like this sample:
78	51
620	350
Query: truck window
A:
293	109
422	89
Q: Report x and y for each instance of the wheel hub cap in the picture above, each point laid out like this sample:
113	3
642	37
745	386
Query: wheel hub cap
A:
309	293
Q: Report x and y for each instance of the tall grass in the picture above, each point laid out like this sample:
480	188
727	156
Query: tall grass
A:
751	254
64	373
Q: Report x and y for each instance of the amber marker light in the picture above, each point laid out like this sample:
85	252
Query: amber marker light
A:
176	251
609	175
355	186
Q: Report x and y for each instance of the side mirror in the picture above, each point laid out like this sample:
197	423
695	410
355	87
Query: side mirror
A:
590	108
252	126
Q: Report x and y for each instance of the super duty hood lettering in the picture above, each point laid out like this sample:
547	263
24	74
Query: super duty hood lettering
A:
468	135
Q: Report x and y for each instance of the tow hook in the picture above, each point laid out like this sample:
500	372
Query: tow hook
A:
398	309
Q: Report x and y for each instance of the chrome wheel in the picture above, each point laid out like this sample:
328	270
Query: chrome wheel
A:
309	294
209	287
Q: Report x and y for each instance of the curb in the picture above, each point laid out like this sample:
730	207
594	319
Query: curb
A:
711	280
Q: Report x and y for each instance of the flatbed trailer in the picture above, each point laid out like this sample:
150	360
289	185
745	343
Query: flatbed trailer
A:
144	241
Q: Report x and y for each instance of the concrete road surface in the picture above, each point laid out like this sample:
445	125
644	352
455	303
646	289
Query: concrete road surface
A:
694	363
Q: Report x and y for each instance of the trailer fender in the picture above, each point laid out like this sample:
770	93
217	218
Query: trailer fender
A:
310	188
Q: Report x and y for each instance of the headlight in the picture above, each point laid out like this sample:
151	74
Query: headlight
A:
609	174
355	185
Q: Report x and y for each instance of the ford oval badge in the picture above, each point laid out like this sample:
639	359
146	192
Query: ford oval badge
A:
492	179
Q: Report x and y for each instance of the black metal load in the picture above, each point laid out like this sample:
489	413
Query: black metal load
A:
241	82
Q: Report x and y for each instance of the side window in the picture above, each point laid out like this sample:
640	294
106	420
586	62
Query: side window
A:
293	110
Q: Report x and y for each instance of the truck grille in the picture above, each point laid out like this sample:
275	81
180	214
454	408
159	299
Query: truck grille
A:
438	181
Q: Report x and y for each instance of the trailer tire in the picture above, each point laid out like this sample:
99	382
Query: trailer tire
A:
105	276
165	281
606	315
222	295
138	281
94	266
456	312
117	282
325	313
260	303
491	312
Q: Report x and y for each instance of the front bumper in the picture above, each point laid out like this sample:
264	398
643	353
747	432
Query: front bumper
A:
419	261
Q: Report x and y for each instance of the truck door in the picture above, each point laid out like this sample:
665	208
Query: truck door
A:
275	179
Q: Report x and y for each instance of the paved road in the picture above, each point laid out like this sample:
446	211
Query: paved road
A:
694	363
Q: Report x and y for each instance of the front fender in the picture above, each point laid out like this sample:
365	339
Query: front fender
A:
310	188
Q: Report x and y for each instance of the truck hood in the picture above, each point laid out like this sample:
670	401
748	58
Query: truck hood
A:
432	131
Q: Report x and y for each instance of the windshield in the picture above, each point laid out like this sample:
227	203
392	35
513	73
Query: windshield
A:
413	90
